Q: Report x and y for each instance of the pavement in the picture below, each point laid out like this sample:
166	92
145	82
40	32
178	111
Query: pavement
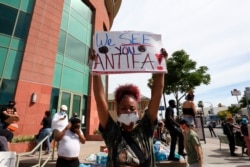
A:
213	156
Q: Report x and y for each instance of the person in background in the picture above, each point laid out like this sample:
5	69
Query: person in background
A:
160	133
192	144
189	109
45	130
211	129
174	131
73	116
8	135
60	119
9	115
244	131
130	138
229	125
69	144
3	144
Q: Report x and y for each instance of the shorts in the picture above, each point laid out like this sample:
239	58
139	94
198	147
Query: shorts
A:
189	119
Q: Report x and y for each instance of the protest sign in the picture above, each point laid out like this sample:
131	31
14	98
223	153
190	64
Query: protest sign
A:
7	159
127	52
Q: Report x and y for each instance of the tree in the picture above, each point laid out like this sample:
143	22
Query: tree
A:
243	102
223	114
183	76
234	109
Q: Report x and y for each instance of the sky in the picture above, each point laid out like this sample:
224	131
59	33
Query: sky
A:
214	33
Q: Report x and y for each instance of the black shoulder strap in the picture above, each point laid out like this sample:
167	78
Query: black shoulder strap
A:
134	147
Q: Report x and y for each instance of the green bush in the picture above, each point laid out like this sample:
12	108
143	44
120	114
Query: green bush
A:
21	139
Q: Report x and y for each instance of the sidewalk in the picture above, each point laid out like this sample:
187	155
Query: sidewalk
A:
213	156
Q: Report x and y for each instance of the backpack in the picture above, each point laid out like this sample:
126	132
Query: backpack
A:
225	128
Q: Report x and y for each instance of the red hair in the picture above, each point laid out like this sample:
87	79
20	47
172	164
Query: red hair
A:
128	89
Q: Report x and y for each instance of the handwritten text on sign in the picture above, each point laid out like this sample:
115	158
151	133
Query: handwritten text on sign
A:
127	52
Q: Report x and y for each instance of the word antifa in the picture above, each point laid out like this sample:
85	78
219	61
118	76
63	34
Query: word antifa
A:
126	57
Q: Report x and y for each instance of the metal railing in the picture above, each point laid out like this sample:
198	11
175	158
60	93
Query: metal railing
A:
18	156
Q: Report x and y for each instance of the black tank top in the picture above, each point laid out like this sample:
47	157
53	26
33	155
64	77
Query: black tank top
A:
187	111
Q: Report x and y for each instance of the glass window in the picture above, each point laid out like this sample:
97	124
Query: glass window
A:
65	99
11	70
7	91
81	8
74	64
12	3
27	5
22	26
3	55
59	58
62	41
76	29
65	20
85	84
57	75
5	40
72	80
54	100
7	18
75	48
76	107
17	44
66	8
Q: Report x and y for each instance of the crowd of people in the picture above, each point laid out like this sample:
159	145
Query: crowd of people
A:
130	138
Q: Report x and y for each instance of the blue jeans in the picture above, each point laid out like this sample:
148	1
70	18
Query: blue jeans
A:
42	134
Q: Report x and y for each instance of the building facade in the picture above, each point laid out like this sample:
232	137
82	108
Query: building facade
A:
44	49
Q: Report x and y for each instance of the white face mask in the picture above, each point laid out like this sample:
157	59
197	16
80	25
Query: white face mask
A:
128	118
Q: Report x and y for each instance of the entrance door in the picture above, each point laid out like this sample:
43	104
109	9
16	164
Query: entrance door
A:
76	104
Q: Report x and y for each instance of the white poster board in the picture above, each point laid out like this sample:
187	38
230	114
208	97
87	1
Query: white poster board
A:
127	52
7	159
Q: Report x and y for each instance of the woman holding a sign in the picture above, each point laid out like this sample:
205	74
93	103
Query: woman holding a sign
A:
130	138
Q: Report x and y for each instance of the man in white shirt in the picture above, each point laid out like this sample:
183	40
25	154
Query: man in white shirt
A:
60	119
69	144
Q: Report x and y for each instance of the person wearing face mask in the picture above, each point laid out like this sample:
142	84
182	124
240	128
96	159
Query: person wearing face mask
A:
174	131
9	115
130	138
60	119
69	140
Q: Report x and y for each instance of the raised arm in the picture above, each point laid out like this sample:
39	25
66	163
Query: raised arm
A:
156	92
101	102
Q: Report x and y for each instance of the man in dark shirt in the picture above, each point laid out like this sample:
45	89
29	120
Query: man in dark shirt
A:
174	131
230	135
